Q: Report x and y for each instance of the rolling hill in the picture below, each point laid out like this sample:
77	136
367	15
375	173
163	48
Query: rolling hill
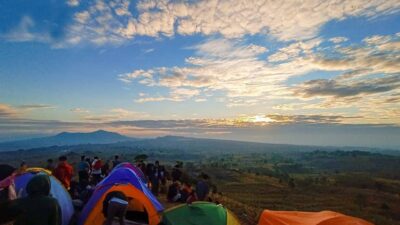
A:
66	138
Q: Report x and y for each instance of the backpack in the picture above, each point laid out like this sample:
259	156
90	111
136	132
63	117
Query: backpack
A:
97	165
109	196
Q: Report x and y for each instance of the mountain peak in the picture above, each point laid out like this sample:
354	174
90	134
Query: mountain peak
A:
102	132
68	138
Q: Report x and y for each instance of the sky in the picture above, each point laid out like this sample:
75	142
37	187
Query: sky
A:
315	72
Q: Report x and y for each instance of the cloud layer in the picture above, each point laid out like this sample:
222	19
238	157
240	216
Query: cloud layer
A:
102	22
285	20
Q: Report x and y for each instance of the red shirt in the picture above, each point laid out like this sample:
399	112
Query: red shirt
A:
63	172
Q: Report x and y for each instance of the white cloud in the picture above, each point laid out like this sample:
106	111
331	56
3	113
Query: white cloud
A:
79	110
115	115
7	111
25	32
73	3
111	22
294	50
148	50
230	66
338	40
238	70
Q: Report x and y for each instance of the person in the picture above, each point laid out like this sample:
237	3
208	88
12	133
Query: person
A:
116	161
96	170
176	173
115	204
90	164
202	188
142	166
163	179
174	194
105	169
155	177
83	171
7	189
22	168
187	193
50	165
64	172
38	208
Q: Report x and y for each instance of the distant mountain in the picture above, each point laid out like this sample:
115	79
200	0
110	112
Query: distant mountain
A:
67	138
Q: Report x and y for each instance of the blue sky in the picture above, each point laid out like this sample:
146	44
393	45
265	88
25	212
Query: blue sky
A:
227	68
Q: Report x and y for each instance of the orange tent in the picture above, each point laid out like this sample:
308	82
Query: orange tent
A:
269	217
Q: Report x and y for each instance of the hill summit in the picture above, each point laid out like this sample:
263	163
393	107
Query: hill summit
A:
67	138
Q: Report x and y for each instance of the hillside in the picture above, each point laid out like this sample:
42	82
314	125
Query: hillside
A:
66	138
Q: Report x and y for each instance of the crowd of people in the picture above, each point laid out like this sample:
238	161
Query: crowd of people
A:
89	173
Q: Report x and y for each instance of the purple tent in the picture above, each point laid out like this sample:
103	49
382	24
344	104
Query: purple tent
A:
138	171
119	176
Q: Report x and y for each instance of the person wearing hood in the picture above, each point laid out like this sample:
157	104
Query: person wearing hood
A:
38	208
63	172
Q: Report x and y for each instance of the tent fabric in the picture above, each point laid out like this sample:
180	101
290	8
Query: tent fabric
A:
124	175
199	213
57	191
269	217
127	181
37	170
138	171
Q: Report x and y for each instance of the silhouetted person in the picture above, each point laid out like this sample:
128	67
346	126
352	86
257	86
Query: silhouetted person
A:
83	171
176	173
7	186
38	208
22	167
50	165
174	193
63	172
105	169
202	188
116	161
142	167
155	177
187	193
96	170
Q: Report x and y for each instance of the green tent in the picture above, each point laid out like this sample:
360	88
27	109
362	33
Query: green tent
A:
199	213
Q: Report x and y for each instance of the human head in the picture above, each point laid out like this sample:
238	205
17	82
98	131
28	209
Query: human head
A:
38	185
204	176
62	158
82	158
157	163
23	164
96	157
187	184
50	161
116	157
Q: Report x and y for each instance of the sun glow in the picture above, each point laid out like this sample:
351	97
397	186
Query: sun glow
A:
257	119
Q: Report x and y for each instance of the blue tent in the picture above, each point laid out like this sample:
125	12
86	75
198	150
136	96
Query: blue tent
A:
57	191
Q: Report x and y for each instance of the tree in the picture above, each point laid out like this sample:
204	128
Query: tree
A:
141	157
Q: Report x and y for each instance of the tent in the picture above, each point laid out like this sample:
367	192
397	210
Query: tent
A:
57	190
269	217
144	206
134	168
199	213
